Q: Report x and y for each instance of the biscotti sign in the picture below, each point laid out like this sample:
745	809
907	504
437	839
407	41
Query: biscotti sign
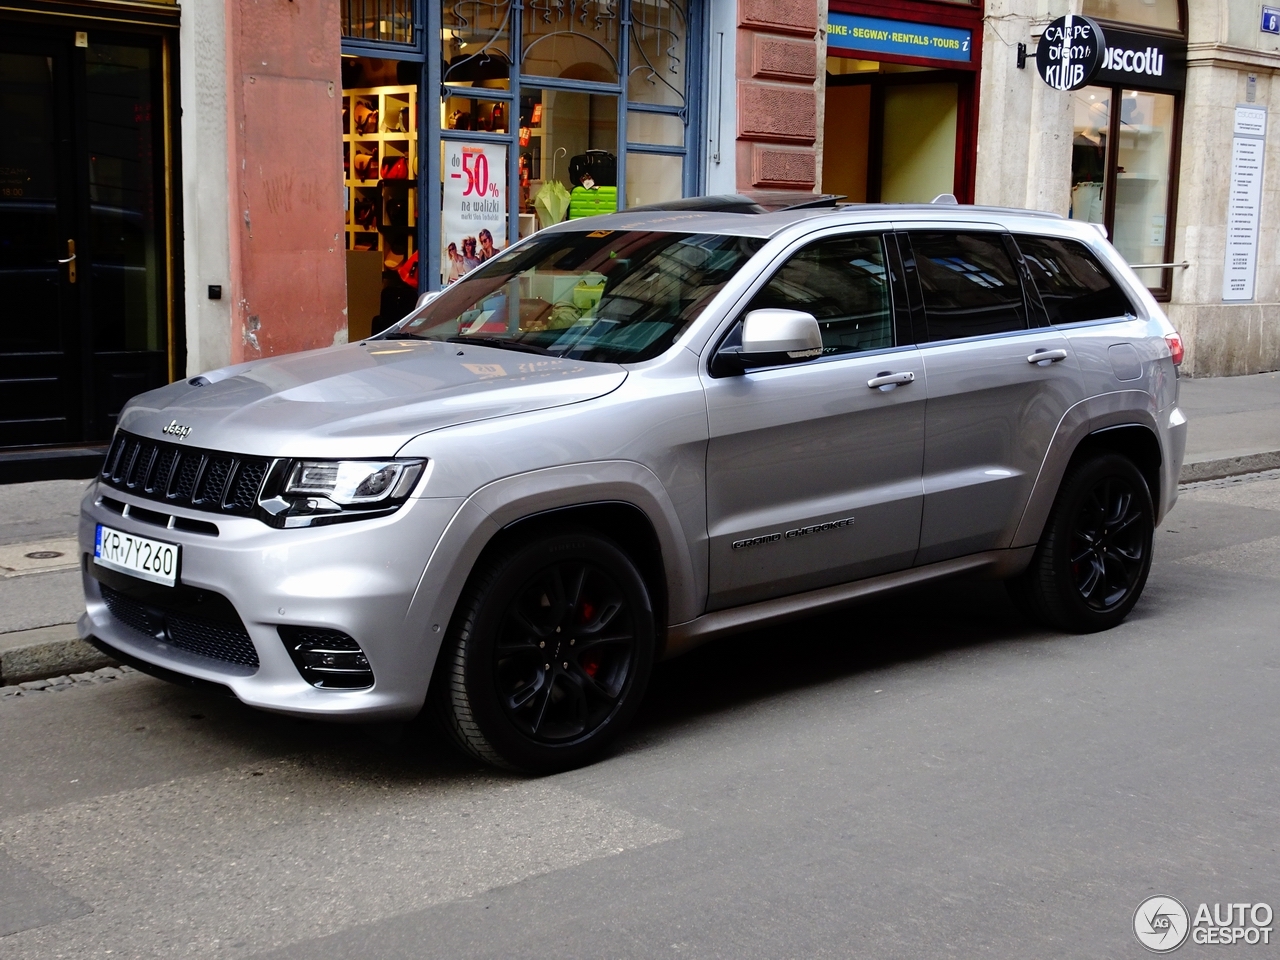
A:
1144	61
1070	52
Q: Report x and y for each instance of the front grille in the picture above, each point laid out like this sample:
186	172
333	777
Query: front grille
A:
169	473
228	642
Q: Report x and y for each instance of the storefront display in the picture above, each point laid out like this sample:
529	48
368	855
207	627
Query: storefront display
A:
901	101
1127	126
570	109
380	163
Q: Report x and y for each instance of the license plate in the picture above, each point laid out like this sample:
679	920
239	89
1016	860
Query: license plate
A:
143	557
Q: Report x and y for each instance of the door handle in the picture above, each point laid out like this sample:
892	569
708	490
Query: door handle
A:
70	261
1042	358
890	380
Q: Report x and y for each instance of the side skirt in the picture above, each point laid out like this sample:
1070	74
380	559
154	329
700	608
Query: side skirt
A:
683	637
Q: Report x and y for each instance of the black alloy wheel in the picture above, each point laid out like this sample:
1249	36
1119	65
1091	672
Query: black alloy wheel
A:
1108	546
1094	556
549	654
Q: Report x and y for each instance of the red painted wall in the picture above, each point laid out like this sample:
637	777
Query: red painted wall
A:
777	58
288	269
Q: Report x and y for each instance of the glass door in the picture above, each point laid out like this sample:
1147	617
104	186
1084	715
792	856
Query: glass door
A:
85	309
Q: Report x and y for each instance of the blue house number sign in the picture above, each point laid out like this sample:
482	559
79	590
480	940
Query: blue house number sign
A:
1271	20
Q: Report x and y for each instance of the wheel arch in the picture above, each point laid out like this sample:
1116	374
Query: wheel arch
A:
622	499
1079	436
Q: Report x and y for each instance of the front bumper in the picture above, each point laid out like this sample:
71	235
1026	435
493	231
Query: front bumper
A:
364	578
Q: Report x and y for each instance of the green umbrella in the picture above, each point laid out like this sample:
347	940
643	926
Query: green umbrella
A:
552	202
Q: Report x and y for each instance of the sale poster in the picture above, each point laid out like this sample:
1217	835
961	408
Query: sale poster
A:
474	218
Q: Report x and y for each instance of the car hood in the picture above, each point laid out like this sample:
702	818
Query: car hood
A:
362	400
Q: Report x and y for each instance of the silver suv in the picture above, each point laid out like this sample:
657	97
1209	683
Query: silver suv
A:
627	435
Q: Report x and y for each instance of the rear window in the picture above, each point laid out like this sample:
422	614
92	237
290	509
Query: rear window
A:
969	285
1073	285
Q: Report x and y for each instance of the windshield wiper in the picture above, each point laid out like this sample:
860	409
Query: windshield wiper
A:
502	344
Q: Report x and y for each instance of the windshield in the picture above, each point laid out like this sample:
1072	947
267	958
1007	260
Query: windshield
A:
611	295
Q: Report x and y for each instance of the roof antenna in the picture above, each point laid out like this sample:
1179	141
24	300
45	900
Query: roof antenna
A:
945	198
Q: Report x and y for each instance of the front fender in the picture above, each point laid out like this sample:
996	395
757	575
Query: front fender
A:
498	504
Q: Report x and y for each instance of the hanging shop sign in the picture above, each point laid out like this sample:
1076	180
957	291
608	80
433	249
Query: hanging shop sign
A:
474	216
1070	52
898	38
1143	60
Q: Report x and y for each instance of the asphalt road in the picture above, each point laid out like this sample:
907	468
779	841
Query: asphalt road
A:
924	776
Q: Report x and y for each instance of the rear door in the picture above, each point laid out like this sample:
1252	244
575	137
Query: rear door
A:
813	472
998	387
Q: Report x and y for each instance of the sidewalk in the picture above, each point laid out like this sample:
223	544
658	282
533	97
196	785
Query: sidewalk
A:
1234	427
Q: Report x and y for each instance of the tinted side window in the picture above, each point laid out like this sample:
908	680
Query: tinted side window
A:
1073	285
969	284
843	282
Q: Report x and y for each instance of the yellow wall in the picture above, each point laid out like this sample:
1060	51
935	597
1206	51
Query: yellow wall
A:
919	142
846	132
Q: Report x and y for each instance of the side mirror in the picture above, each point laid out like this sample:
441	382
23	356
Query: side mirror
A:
771	337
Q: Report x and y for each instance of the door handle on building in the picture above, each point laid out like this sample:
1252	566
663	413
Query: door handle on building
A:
1043	358
70	261
890	380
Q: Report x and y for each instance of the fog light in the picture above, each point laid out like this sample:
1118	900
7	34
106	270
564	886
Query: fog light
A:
328	659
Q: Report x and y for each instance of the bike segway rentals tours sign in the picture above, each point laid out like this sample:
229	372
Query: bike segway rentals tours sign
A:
1070	52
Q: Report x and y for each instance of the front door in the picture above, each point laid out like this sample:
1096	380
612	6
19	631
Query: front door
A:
84	291
814	469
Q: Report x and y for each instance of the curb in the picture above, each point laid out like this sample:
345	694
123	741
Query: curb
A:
1229	466
57	651
47	652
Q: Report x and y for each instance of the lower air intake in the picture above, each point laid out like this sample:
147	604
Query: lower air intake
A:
227	642
327	658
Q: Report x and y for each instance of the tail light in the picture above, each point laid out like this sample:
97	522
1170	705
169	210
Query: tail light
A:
1174	340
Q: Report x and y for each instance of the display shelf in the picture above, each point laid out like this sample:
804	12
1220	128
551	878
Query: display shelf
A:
380	160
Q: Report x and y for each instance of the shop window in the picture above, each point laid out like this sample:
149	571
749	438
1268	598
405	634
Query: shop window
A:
659	31
1091	112
390	21
577	40
1121	170
1162	14
380	161
1144	150
969	285
476	44
653	178
568	147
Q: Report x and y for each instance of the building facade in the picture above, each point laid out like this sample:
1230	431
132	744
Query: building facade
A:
189	185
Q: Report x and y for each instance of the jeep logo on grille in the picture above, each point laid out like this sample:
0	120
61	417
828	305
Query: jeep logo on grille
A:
175	429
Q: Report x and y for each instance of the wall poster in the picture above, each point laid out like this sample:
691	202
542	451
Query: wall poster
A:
474	215
1244	202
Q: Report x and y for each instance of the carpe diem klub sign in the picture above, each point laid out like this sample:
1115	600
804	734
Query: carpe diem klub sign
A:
1070	52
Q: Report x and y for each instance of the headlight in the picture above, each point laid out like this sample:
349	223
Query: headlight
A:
310	492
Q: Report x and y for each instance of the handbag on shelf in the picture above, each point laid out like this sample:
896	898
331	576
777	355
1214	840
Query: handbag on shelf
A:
365	213
395	168
397	211
366	117
364	165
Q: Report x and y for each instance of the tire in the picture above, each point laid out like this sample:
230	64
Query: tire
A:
1092	561
548	655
